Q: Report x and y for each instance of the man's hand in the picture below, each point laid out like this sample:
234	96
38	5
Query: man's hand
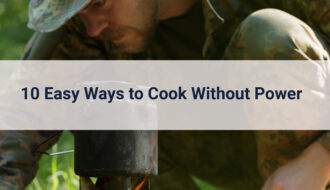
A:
310	171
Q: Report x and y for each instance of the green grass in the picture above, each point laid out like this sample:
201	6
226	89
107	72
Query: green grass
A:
57	172
203	185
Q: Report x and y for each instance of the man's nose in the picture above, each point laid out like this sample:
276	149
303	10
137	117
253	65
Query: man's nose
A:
94	26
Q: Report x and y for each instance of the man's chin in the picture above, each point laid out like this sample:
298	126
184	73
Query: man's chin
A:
132	47
131	42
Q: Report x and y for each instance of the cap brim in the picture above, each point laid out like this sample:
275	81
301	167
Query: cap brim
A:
51	15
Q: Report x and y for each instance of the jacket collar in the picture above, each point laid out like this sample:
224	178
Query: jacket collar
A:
213	20
212	17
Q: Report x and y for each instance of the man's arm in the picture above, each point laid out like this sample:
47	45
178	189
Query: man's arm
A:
288	159
18	162
325	140
276	148
311	170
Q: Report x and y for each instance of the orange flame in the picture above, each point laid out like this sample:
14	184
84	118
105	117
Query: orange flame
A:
138	187
153	141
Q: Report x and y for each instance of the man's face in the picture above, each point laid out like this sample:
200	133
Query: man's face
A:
129	24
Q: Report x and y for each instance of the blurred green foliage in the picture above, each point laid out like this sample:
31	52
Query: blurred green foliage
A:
57	172
13	31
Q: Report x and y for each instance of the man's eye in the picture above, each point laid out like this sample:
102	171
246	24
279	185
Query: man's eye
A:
98	3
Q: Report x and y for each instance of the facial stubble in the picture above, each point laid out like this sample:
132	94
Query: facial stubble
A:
143	31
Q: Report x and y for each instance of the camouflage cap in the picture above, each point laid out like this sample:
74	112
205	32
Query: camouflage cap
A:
48	15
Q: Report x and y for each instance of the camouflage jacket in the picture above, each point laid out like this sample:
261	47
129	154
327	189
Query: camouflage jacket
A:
220	20
18	165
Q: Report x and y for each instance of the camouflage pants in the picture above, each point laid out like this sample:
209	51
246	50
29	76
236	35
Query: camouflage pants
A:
267	34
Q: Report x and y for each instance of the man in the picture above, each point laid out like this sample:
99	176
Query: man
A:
190	29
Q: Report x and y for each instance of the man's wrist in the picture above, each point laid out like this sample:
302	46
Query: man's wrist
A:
325	140
319	156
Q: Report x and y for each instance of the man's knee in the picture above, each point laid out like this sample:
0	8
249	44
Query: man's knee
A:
274	35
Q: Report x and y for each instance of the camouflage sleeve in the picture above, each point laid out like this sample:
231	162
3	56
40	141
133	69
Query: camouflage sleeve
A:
276	148
18	161
325	140
317	14
314	12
